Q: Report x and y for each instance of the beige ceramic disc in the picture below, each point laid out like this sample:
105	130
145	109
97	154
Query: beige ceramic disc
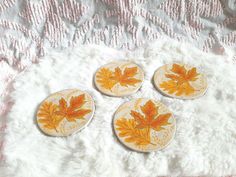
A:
180	81
144	125
65	112
119	78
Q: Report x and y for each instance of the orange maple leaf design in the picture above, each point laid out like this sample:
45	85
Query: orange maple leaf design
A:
75	110
126	78
179	82
108	78
127	129
151	118
48	116
137	130
105	78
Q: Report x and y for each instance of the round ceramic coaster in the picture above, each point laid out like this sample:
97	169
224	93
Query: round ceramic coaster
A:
180	81
144	125
119	78
65	112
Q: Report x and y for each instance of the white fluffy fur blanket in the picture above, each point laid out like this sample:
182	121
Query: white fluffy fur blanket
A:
205	140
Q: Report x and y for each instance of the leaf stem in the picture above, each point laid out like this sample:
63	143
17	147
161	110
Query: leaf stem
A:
152	143
55	128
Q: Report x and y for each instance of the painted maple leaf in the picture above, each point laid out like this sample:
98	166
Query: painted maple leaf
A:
105	78
108	79
179	82
75	110
127	129
150	117
137	130
126	78
48	117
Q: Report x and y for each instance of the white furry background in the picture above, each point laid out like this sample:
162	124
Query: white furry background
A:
205	140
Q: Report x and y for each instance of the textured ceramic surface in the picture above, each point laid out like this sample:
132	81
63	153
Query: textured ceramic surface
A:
180	81
119	78
65	112
144	125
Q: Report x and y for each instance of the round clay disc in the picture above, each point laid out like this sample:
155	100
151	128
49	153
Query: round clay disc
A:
144	125
180	81
119	78
65	112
